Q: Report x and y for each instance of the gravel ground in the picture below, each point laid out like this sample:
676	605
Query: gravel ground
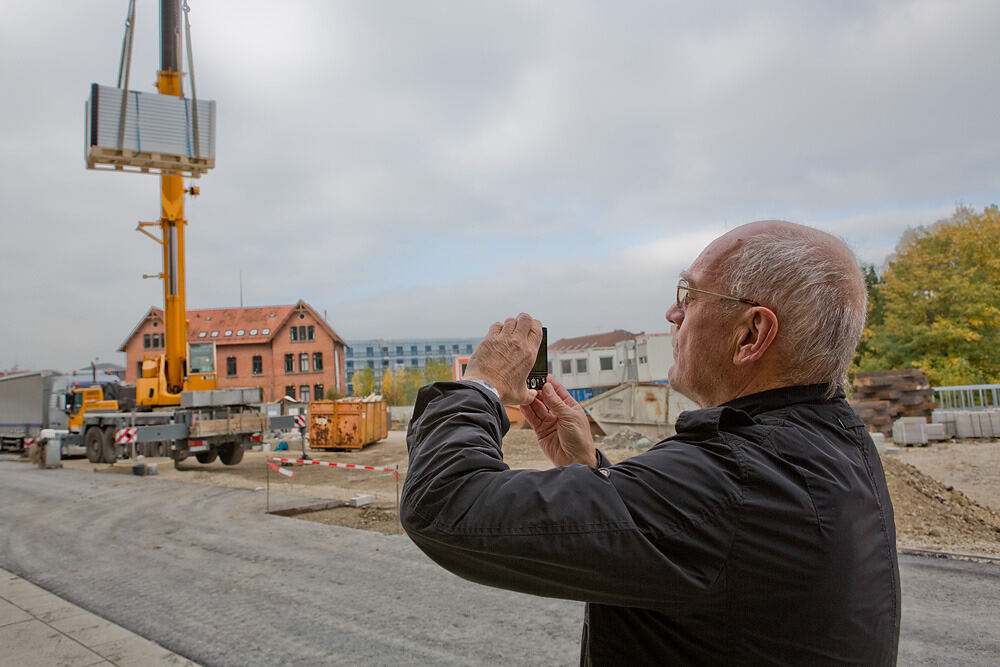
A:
205	572
946	496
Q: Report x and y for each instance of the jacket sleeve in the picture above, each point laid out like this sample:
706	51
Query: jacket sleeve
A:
650	532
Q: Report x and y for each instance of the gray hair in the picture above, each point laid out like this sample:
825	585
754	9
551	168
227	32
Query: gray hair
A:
820	306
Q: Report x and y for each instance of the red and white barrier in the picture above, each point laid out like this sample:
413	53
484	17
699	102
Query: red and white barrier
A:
125	436
286	473
339	465
300	421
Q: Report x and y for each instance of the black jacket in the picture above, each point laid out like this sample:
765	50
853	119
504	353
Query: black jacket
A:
762	533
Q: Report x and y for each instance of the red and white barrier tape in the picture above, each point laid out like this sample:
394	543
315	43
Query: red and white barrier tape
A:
286	473
339	465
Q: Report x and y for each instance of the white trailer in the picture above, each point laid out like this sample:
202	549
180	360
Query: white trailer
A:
30	402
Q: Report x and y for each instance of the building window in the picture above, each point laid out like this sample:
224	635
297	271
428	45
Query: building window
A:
317	361
240	332
413	349
427	349
318	392
399	350
138	369
369	350
290	391
253	332
304	393
229	332
215	334
266	331
567	366
606	363
294	333
350	366
310	333
302	332
304	362
468	348
414	362
454	348
385	350
202	334
258	365
145	341
289	363
371	364
348	352
230	366
581	365
441	349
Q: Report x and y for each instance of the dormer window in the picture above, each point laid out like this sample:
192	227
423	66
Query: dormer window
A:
266	332
240	332
202	334
215	334
253	332
229	332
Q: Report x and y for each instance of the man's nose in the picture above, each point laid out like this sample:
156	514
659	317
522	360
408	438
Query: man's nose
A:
675	315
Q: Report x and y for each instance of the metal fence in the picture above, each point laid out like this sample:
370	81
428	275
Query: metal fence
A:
968	397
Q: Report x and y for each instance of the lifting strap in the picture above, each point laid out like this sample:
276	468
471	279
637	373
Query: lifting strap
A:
124	68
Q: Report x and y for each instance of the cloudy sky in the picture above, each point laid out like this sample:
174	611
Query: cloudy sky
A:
420	169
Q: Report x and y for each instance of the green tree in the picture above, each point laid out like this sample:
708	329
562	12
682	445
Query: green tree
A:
875	317
438	370
940	297
363	381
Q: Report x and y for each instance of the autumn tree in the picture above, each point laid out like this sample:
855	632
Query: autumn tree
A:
363	382
438	370
400	387
940	301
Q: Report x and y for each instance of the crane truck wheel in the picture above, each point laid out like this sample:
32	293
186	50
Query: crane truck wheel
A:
108	446
231	453
207	457
93	439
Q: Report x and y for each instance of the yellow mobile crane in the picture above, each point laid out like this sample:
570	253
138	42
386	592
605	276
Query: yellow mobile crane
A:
166	375
180	410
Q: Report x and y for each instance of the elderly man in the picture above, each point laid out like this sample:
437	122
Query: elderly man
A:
761	533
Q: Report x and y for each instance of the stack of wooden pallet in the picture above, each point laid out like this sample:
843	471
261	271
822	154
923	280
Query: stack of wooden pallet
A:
881	397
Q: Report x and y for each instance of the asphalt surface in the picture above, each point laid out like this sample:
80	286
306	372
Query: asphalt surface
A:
206	573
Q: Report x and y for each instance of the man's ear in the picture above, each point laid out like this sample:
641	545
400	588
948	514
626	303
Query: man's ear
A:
757	331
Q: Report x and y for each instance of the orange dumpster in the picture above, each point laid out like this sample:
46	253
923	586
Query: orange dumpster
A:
347	423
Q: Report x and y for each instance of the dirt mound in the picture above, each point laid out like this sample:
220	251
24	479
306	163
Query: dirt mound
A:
932	515
624	438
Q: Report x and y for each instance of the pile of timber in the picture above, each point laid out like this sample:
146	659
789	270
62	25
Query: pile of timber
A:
881	397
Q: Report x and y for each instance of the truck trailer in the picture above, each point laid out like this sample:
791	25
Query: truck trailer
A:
30	402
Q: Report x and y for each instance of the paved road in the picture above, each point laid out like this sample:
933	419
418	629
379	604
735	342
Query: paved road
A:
204	572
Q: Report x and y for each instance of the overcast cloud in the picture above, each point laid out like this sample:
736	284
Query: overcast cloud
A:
422	169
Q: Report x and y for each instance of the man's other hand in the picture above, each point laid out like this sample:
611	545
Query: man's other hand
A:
505	357
561	426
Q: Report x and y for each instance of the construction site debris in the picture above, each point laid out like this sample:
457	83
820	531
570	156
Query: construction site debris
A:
883	396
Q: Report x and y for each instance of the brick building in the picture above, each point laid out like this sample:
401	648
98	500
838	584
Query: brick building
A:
284	350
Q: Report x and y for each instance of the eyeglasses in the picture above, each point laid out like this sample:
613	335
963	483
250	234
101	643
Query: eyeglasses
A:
683	288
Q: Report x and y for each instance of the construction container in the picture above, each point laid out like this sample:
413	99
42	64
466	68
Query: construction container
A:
647	408
347	423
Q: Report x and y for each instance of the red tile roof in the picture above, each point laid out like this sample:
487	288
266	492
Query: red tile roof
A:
595	340
258	323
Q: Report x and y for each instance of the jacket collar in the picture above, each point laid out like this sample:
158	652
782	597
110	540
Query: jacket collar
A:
741	411
773	399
